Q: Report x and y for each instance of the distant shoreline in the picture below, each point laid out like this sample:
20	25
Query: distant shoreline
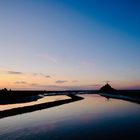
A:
122	97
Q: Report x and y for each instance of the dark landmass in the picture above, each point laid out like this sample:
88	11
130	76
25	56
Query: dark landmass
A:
107	89
128	95
26	109
23	96
11	97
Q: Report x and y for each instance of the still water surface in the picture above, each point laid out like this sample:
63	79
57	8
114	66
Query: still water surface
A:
94	117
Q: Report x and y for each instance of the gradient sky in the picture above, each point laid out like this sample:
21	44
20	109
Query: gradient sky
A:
69	44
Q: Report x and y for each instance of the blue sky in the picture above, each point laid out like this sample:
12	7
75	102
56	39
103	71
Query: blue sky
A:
80	43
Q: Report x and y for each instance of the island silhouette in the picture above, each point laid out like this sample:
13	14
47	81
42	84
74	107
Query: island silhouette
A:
128	95
107	88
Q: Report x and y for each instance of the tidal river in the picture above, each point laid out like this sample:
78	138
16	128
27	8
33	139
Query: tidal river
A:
94	118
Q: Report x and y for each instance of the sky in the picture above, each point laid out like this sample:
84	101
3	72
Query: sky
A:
69	44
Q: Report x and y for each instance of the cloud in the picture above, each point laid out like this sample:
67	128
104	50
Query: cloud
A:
38	85
41	74
47	57
53	86
21	82
14	72
34	84
48	76
35	74
61	81
20	73
10	71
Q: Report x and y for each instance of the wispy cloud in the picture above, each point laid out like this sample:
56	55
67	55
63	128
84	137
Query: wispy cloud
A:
10	71
47	76
35	74
61	81
52	86
47	57
21	82
41	74
34	84
14	72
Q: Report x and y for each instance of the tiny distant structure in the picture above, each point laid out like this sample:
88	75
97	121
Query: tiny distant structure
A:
107	89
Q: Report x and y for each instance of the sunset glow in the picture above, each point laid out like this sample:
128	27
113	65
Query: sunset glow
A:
69	44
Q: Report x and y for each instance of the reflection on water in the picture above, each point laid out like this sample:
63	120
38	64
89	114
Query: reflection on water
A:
42	100
92	118
36	107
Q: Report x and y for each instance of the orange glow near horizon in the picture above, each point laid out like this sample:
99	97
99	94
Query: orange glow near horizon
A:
40	83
